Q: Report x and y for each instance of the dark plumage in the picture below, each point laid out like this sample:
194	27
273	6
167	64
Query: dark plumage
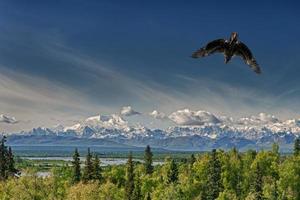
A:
229	48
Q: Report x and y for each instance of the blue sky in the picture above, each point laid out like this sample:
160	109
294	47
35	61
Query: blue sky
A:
61	61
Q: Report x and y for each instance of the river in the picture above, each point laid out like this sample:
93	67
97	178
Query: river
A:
103	161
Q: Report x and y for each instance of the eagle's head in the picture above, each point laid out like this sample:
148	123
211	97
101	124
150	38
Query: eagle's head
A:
234	37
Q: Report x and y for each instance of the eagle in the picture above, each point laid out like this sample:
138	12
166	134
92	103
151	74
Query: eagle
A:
230	48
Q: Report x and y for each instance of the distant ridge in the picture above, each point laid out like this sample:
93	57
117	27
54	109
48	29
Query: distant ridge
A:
258	132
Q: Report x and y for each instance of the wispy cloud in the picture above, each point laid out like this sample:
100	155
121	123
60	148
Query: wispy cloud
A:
233	99
7	119
91	86
37	101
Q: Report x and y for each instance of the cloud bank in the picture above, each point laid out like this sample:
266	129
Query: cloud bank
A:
188	117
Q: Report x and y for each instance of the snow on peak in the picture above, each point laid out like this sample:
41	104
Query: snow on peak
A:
93	118
266	118
260	120
99	122
157	115
293	122
105	118
128	111
72	128
58	128
188	123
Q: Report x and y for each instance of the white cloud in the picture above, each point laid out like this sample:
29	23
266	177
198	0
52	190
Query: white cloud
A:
158	115
128	111
8	119
187	117
261	118
267	118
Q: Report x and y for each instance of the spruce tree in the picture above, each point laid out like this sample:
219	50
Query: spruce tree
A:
76	167
10	162
3	159
88	168
172	174
7	162
129	184
97	169
192	160
148	160
275	171
257	185
214	184
297	147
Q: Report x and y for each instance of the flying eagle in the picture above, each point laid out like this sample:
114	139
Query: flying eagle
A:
229	48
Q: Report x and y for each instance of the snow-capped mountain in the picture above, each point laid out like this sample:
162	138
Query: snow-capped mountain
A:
194	130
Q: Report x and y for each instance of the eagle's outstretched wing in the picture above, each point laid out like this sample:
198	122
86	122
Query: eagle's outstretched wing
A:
242	50
212	47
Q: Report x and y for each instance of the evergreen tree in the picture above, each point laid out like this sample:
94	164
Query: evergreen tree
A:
97	169
184	160
129	185
193	159
148	160
297	147
214	184
137	193
257	185
76	167
88	168
172	174
275	170
3	159
10	162
7	162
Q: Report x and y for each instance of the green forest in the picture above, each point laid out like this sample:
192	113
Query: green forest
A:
221	175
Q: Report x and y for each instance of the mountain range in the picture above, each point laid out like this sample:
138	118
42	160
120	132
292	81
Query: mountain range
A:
193	131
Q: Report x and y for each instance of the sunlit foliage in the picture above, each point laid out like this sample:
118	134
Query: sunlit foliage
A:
220	175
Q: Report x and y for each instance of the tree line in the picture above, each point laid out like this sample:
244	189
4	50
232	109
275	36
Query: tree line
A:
220	175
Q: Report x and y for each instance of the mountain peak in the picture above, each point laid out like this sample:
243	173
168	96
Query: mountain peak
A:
203	126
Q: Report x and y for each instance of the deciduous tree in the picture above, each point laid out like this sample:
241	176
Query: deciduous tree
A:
137	193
